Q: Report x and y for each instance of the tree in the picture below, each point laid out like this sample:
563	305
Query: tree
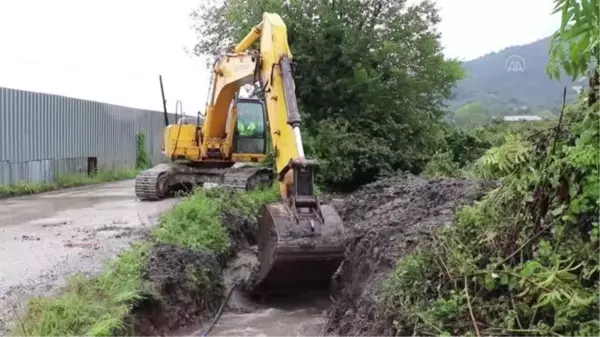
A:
370	81
576	43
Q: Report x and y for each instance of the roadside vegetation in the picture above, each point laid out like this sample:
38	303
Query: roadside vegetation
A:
525	259
82	179
103	305
65	181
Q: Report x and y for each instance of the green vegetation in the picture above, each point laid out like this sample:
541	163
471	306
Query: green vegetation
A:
102	305
522	261
525	259
369	102
70	180
461	147
471	115
96	306
181	228
142	161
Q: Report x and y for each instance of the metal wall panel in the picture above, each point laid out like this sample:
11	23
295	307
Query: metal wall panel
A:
43	136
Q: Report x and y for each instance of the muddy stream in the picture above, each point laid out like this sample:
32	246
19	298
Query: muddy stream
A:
302	314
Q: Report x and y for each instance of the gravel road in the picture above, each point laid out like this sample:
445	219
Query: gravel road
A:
48	237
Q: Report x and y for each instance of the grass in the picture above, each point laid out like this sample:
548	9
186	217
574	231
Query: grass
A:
101	306
96	306
71	180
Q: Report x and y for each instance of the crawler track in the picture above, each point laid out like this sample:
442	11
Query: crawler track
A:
161	180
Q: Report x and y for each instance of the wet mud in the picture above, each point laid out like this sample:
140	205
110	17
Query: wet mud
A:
182	306
186	285
385	221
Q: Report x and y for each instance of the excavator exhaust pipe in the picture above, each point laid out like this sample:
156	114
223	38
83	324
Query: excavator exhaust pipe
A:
300	241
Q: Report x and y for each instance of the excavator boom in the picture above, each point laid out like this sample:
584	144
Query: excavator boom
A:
300	239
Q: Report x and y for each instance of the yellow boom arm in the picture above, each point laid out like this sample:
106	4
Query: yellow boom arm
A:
273	65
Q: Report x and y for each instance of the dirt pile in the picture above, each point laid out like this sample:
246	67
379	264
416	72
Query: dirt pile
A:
241	229
186	286
386	220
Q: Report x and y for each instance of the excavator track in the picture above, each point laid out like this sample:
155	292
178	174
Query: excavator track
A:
247	178
147	183
160	181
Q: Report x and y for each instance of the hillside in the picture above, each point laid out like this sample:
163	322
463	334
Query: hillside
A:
491	81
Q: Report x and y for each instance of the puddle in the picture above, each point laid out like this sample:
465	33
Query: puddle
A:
44	206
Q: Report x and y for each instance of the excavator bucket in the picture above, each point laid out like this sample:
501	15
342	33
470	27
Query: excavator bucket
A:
300	243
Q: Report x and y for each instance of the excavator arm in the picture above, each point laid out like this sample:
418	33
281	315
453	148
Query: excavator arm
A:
300	240
274	67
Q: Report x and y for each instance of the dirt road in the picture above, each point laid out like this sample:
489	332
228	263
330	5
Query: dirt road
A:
48	237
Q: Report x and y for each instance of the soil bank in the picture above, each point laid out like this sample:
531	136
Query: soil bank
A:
387	220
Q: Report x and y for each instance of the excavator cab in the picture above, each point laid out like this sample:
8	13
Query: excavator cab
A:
252	119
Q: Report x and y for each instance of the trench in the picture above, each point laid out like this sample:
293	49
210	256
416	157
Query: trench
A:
383	222
299	314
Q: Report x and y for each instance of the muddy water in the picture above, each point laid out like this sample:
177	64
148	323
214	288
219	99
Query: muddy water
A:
304	314
300	316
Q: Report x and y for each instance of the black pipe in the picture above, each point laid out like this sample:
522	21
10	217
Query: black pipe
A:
219	313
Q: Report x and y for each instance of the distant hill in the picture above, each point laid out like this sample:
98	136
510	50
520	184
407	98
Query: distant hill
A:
513	81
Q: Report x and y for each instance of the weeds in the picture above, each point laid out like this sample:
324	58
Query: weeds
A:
72	180
197	224
95	306
142	161
524	260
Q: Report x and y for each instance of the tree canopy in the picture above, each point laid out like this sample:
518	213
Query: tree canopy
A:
371	78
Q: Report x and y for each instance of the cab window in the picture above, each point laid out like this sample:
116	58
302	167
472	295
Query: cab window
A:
250	129
251	119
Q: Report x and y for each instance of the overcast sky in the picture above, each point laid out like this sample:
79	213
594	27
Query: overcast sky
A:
113	50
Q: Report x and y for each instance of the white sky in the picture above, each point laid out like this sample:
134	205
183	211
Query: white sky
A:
113	50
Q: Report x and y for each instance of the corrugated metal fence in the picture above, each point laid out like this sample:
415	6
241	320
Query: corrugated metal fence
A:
43	136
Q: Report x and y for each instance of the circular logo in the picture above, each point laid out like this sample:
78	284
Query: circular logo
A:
514	63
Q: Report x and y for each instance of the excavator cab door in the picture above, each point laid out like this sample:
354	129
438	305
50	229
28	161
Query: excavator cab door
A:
251	129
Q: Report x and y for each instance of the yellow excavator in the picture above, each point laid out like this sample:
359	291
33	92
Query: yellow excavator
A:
299	239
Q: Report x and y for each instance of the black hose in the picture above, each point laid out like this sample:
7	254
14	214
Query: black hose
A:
219	313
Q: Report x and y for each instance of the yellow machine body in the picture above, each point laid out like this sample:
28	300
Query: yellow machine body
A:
300	239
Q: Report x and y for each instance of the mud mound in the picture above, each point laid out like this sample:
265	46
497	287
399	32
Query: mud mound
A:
241	229
386	220
188	286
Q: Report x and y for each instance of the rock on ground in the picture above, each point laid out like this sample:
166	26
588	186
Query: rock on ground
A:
386	220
